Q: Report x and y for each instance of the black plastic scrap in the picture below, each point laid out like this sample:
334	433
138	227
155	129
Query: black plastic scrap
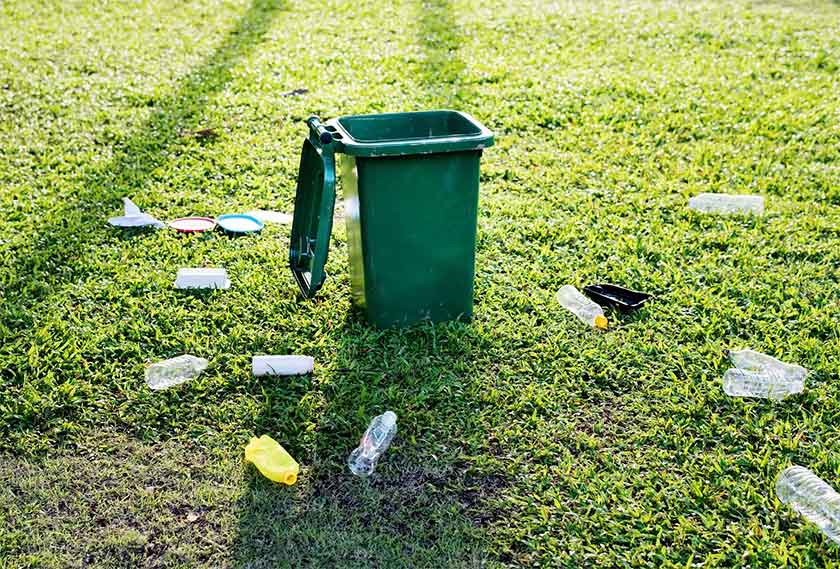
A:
614	296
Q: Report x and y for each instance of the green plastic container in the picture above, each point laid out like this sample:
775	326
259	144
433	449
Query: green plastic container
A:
410	185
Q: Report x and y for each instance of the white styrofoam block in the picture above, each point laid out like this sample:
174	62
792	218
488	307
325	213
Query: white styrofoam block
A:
282	365
202	278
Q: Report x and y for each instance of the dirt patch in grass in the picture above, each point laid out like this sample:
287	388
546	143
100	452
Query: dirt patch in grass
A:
119	502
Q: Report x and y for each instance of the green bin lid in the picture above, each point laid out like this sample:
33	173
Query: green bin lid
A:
314	204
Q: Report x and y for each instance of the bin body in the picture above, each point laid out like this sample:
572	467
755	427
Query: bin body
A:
410	184
411	228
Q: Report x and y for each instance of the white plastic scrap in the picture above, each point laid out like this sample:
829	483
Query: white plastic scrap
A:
270	216
134	217
202	278
282	365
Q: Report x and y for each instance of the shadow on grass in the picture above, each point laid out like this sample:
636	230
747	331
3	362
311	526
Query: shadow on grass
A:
53	258
441	73
424	505
413	511
56	258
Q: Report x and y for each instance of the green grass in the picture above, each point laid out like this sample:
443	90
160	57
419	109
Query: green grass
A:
525	438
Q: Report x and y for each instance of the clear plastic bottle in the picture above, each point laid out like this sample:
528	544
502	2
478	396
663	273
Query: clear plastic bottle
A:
586	310
173	371
759	375
751	360
727	203
811	497
768	384
374	443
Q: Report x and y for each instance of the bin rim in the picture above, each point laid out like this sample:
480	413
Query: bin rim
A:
348	144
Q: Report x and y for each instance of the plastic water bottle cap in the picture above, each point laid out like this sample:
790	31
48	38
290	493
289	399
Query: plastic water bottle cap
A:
601	322
389	418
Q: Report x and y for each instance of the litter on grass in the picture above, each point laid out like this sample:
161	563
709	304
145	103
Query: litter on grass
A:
202	278
614	296
282	365
272	460
174	371
811	497
759	375
587	311
193	224
293	92
133	217
238	223
376	440
270	216
726	203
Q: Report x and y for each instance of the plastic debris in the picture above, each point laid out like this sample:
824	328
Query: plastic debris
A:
293	92
271	216
174	371
272	460
587	311
133	217
759	375
727	203
193	224
376	440
239	223
614	296
282	365
811	497
201	134
202	278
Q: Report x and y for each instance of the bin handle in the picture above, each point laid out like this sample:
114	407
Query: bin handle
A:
322	134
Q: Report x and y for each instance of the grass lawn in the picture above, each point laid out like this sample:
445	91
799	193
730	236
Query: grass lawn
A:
525	438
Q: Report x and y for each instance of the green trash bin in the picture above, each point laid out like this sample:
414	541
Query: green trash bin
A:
410	184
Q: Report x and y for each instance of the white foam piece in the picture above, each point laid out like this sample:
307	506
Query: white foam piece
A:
133	217
282	365
202	278
270	216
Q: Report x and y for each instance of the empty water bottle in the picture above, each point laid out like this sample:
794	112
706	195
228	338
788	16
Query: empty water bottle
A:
768	384
586	310
173	371
751	360
759	375
374	443
811	497
727	203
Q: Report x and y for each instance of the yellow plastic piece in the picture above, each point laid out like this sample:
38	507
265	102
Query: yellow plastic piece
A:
272	460
601	322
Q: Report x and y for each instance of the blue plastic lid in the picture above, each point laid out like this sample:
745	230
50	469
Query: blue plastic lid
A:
239	223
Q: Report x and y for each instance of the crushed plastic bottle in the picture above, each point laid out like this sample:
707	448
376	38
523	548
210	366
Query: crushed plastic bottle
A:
374	443
174	371
756	361
586	310
767	384
727	203
272	460
759	375
811	497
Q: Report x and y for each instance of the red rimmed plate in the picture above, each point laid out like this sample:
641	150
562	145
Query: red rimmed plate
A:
193	224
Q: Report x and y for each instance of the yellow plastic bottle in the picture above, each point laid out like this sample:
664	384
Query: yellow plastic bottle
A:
272	460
